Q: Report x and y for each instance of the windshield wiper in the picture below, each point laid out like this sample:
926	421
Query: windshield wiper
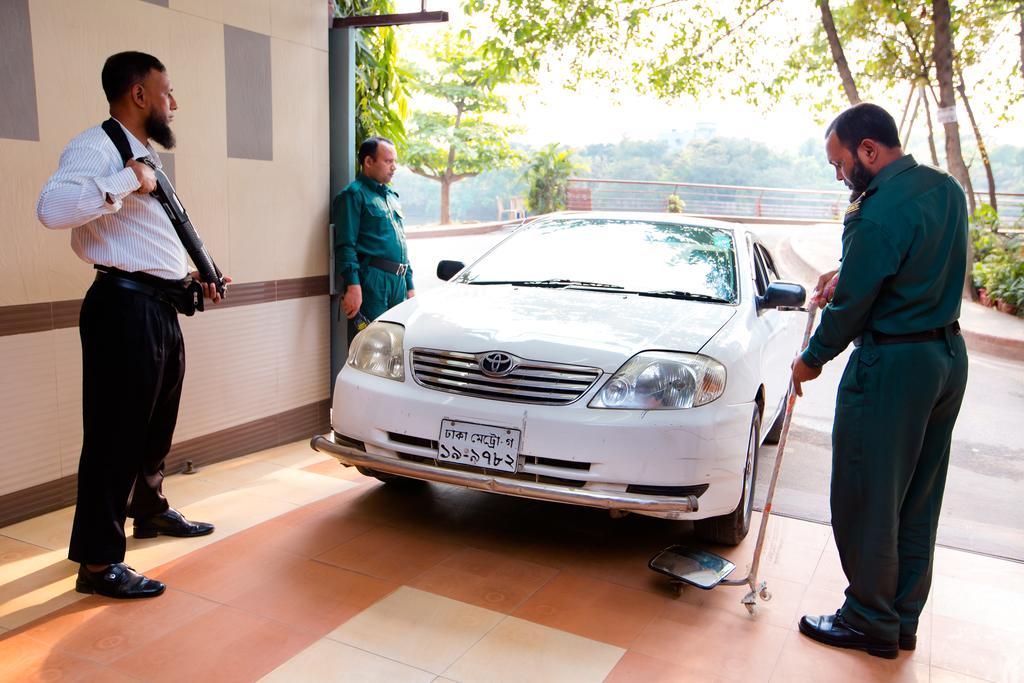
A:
545	283
689	296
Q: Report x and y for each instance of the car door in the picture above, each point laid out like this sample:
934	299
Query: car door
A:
776	330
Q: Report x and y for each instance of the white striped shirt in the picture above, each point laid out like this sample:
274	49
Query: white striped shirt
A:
133	233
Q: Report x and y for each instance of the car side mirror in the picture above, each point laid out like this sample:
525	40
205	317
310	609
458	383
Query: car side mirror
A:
782	295
446	270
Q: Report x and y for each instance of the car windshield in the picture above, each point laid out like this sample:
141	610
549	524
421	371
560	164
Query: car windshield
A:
646	257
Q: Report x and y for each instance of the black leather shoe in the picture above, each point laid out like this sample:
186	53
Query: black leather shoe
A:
830	629
169	523
908	641
117	581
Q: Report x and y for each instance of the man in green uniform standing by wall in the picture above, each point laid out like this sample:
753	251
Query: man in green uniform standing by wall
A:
370	252
897	298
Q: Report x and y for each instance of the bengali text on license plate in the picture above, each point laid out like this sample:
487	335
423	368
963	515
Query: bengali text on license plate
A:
467	443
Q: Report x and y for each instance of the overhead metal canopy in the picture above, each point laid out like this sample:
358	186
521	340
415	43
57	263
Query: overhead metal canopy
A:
367	21
390	19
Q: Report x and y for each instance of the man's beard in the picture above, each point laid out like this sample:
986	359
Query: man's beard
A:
860	178
160	132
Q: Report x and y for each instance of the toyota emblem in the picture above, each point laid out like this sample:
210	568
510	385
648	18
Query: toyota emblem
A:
497	364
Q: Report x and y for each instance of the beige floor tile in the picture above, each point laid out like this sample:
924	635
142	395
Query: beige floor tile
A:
296	455
980	568
295	486
518	650
18	558
982	603
983	651
713	642
237	472
828	574
938	675
804	661
333	662
782	610
420	629
35	584
235	510
188	489
52	530
792	548
819	601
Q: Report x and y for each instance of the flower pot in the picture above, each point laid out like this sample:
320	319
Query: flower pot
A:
1006	307
984	298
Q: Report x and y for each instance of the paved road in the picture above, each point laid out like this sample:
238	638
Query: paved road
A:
984	503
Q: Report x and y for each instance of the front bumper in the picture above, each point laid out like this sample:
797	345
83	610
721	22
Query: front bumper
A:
630	502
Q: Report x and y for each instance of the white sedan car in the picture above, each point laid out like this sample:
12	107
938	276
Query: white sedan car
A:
617	360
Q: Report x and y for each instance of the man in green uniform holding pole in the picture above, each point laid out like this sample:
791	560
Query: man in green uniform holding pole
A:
897	298
370	251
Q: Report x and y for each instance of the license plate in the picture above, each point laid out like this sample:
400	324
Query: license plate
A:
468	443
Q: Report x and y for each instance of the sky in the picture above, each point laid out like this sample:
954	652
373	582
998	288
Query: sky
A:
589	115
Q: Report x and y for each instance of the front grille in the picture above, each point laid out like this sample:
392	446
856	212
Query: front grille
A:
530	381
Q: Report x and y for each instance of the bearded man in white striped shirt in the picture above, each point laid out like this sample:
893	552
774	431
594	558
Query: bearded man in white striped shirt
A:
133	357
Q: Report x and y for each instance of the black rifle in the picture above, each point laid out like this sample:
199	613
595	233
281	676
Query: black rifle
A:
168	198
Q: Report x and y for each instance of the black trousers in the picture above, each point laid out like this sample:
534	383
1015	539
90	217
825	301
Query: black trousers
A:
133	364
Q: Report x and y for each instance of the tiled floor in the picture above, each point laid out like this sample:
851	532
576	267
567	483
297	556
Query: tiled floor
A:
319	574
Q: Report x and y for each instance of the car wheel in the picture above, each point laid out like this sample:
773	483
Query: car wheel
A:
393	479
731	529
775	433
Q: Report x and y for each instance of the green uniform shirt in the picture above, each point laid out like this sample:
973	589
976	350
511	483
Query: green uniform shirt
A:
368	222
904	259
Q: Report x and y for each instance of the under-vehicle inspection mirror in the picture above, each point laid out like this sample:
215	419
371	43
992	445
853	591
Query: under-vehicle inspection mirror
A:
691	565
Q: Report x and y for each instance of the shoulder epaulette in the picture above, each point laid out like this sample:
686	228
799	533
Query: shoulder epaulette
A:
853	210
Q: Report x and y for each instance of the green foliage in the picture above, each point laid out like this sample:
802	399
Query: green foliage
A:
999	265
669	48
699	47
460	142
441	148
675	204
548	176
381	95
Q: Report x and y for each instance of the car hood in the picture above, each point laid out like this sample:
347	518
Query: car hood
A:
581	327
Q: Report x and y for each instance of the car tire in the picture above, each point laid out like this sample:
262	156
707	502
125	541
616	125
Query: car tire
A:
775	433
387	478
732	528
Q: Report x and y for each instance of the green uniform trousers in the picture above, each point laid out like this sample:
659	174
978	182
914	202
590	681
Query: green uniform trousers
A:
381	291
895	411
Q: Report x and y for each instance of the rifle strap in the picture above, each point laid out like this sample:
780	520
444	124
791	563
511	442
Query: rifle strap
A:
116	134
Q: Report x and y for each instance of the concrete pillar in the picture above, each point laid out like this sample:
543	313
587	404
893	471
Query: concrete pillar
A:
342	96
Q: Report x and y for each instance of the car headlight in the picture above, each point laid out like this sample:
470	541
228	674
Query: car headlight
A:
656	380
377	350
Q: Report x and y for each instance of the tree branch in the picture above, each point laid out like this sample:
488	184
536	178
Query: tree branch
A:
424	174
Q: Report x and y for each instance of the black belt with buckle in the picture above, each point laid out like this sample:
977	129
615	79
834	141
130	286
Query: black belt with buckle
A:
175	293
390	266
928	335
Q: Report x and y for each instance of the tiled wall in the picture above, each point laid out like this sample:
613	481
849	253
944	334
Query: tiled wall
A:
251	165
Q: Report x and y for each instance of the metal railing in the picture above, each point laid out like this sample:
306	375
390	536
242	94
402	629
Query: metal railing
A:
737	201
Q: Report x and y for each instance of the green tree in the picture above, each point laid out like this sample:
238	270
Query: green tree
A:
548	176
460	142
381	94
